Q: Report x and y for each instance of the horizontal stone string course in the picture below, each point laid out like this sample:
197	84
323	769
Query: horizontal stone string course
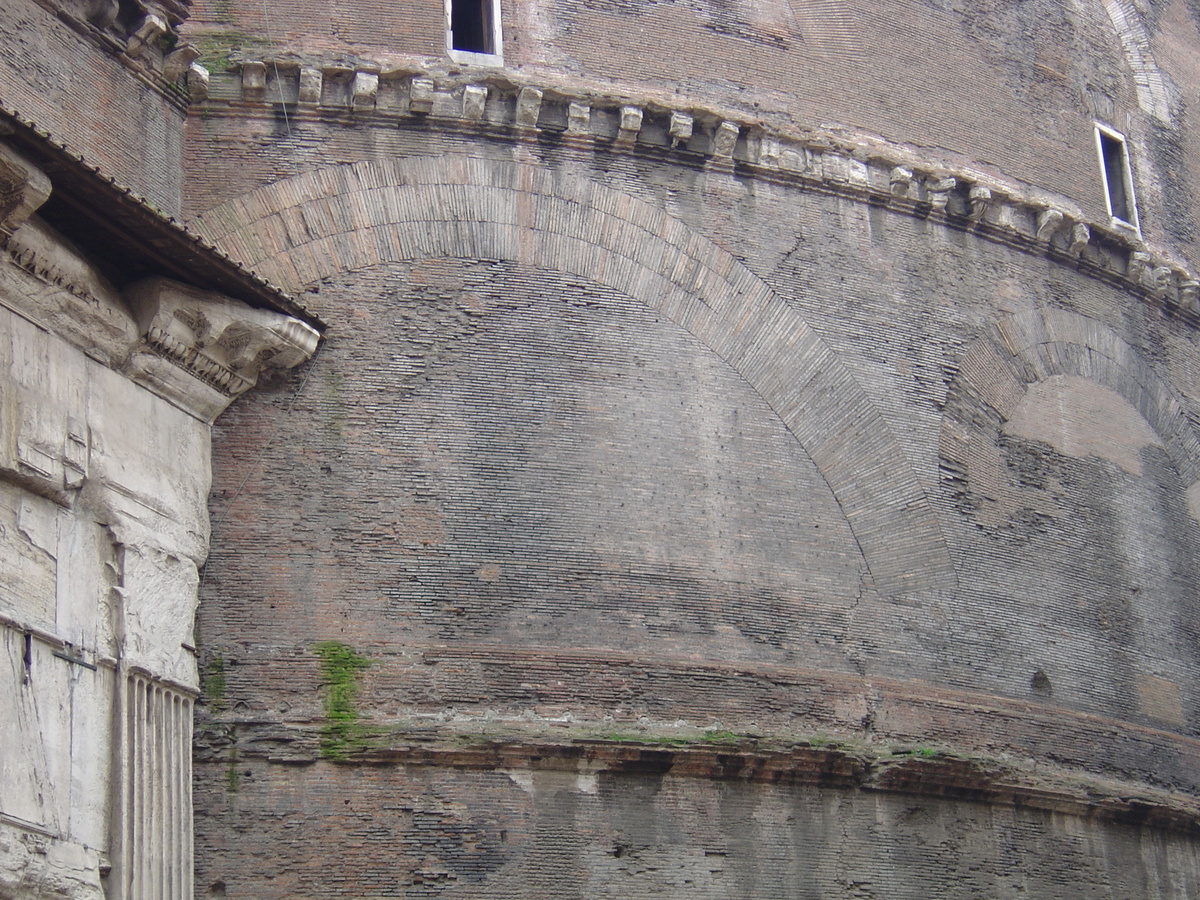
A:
742	759
881	175
790	702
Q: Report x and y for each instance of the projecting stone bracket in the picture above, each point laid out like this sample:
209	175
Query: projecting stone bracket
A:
149	29
200	349
529	107
179	61
938	188
23	188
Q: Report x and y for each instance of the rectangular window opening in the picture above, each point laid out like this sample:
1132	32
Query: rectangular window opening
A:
1118	178
473	26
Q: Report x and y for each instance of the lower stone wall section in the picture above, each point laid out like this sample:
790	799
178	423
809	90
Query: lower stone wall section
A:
336	830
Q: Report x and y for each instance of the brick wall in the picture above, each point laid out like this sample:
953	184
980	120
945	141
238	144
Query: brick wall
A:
554	484
384	832
627	482
1009	92
86	98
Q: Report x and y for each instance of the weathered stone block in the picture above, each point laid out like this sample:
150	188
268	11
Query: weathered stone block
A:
680	128
363	90
474	102
420	95
725	139
529	107
254	80
579	118
310	82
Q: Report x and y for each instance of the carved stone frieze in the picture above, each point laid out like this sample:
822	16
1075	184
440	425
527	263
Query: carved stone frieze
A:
73	299
201	349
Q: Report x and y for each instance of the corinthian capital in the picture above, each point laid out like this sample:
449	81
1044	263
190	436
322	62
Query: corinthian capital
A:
201	349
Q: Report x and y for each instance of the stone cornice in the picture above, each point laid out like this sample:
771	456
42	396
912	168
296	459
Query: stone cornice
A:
200	349
493	104
139	49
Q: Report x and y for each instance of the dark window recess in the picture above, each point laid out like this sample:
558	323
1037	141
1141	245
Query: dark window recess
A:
1112	150
471	26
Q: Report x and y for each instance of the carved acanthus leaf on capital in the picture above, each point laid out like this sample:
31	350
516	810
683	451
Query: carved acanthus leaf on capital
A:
201	349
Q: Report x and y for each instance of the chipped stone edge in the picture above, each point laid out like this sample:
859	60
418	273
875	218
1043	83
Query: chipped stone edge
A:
874	173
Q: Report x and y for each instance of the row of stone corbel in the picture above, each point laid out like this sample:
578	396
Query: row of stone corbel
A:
873	175
155	30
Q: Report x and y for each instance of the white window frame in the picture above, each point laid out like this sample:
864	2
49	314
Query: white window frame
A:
467	57
1126	176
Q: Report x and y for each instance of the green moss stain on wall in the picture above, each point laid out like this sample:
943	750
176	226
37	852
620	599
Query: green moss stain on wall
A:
343	731
213	682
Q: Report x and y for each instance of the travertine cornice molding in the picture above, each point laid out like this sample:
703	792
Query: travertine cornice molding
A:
497	104
201	349
137	221
822	762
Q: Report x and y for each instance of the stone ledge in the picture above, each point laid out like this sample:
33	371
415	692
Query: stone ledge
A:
915	771
778	704
497	106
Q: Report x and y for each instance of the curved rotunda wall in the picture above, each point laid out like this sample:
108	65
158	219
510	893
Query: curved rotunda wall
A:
569	472
687	503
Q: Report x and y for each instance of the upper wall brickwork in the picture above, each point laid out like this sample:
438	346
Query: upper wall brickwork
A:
1012	92
82	89
601	448
754	368
896	353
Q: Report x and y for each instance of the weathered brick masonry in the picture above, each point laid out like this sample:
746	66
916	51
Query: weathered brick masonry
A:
744	460
745	457
114	108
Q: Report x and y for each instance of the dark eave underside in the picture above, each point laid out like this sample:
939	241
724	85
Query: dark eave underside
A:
115	225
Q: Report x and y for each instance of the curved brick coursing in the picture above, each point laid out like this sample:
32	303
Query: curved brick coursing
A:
859	168
314	225
996	372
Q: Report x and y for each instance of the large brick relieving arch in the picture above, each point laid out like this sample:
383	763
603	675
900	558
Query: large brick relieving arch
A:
308	227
